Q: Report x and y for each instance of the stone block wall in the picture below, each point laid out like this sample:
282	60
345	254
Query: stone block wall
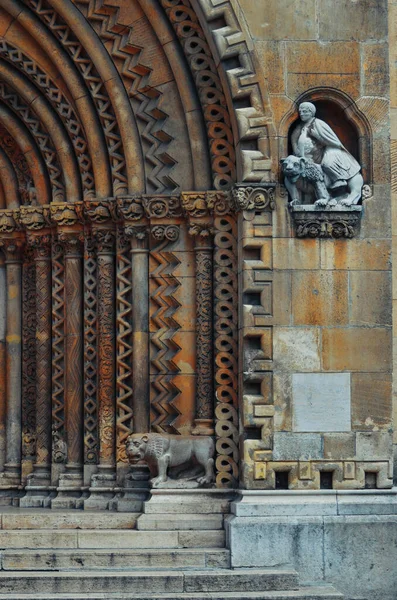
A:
327	421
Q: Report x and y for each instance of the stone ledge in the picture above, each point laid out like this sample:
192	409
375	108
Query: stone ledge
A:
336	222
314	503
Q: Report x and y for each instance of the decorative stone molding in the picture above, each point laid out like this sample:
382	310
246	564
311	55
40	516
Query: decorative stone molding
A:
339	222
165	232
9	221
253	198
35	217
66	214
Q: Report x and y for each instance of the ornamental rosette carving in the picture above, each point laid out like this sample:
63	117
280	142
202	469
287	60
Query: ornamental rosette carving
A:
34	218
165	232
9	221
253	198
160	207
66	214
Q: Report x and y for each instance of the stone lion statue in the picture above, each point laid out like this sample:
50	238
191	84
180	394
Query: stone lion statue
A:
188	461
302	175
320	165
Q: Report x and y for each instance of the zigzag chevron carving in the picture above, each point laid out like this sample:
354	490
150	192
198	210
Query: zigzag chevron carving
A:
151	119
164	306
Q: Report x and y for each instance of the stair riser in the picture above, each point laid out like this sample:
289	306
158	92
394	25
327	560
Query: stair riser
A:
167	522
219	596
111	539
47	561
157	583
69	520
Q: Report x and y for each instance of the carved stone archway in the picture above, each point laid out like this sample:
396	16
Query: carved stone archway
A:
118	230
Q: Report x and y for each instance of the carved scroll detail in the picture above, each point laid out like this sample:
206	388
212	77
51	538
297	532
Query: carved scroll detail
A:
226	366
91	440
123	346
164	307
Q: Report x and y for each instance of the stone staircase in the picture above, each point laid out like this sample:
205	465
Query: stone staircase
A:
176	554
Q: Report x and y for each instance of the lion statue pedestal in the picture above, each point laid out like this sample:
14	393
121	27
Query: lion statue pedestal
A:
174	461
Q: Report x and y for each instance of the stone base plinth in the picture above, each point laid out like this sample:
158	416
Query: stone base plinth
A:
347	538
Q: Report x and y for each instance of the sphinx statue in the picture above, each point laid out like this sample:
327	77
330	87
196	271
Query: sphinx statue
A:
320	167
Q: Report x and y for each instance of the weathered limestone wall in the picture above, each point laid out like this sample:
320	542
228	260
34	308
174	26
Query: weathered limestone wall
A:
393	153
332	299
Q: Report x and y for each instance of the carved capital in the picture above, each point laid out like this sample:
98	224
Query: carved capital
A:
130	208
9	221
219	203
253	198
72	242
12	249
160	207
205	231
40	244
34	218
65	215
138	236
105	240
165	232
100	211
195	204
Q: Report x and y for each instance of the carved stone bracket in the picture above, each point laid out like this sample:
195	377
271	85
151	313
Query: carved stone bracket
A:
339	222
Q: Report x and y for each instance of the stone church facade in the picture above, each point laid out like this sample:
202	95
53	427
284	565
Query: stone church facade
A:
159	281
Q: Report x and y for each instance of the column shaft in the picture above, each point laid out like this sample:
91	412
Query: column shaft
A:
106	349
74	396
140	330
14	362
204	336
3	321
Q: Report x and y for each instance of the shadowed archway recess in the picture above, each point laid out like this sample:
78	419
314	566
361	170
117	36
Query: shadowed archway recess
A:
124	129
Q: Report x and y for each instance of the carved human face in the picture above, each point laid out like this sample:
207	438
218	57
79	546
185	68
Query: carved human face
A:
305	112
136	448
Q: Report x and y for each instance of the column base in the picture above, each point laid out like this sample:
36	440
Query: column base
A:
11	476
71	492
38	489
102	489
134	493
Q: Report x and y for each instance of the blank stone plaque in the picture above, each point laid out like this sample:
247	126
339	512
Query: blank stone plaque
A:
321	402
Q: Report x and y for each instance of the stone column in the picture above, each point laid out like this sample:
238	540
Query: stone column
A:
74	373
203	423
40	479
3	371
12	468
103	482
140	327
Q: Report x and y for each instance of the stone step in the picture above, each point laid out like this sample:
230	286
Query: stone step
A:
73	519
146	582
148	522
103	538
187	502
55	560
304	593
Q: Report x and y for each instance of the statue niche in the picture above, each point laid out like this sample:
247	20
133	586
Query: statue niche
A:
321	171
174	461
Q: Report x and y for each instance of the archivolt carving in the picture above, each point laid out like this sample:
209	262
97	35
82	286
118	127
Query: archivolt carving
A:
144	97
195	46
94	83
43	140
32	70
